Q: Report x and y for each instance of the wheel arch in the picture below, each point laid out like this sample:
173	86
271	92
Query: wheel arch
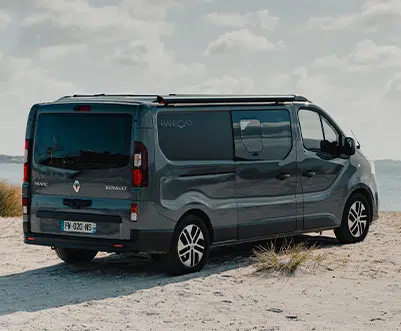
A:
204	217
366	193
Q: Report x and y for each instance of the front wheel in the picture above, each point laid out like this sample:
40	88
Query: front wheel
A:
356	220
72	256
189	248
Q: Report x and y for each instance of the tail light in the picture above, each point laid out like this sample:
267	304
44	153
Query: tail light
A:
134	212
25	206
27	175
26	158
83	108
140	171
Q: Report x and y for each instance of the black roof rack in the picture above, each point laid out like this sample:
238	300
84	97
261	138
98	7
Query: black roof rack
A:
113	95
199	98
194	98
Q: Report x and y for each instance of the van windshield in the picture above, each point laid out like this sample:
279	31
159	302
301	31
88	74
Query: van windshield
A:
83	141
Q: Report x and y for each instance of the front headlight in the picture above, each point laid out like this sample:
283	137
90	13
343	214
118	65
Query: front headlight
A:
372	167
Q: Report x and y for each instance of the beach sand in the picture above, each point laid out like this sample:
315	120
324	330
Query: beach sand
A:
357	288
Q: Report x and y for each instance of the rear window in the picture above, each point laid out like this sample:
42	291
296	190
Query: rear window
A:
83	141
196	136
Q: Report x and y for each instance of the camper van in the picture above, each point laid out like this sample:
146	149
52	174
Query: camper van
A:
175	175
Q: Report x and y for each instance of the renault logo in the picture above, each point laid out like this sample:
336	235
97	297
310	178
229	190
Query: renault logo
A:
76	186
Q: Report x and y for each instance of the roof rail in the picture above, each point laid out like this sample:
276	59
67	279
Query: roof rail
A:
198	98
88	95
113	95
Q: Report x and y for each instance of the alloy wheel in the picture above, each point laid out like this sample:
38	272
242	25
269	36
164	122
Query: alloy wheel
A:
357	219
191	245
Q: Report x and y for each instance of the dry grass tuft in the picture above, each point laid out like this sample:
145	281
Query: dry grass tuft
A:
10	200
287	258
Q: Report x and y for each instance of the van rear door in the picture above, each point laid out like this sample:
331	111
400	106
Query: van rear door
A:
81	170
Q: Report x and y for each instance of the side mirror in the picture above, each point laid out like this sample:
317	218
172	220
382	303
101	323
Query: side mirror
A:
349	146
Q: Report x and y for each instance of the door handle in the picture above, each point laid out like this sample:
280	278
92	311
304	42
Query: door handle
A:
283	175
309	173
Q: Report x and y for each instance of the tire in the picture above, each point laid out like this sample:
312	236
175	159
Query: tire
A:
191	238
356	220
75	256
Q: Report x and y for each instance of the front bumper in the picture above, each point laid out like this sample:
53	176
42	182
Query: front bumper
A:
374	186
141	241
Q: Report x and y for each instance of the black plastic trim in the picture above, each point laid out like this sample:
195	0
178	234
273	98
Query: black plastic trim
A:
141	241
85	217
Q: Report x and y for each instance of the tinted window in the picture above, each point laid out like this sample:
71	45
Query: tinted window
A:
262	134
83	141
251	135
311	127
317	133
330	134
197	135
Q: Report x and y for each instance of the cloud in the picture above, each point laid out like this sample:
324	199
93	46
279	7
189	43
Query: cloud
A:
330	23
368	53
10	66
224	85
5	19
266	20
232	20
394	85
366	56
260	18
60	22
371	14
239	41
55	53
158	61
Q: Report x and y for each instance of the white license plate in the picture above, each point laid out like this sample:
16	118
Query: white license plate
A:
81	227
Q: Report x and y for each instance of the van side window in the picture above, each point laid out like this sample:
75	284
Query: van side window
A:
262	134
317	133
330	134
196	135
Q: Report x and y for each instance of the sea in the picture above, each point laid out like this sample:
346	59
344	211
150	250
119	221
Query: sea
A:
388	173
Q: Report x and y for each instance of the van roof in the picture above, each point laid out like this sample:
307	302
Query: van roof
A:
172	99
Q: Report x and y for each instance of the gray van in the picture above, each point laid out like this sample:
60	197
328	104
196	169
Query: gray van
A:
175	175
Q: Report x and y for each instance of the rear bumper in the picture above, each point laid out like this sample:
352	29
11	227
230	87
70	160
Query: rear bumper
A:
141	241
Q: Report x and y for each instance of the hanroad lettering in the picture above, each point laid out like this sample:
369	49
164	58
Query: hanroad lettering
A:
180	124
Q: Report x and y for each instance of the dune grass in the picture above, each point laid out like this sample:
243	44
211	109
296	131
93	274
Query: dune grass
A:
10	200
285	259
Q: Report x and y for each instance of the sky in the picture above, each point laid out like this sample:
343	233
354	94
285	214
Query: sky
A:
343	55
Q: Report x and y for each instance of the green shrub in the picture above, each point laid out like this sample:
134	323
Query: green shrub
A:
287	259
10	200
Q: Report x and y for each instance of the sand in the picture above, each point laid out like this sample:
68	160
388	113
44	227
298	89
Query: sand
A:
358	288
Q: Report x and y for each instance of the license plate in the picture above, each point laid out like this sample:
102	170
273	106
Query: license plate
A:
81	227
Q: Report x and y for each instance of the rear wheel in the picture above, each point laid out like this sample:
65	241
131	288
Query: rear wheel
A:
356	220
71	256
189	248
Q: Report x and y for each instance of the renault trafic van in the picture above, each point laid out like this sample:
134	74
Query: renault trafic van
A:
174	175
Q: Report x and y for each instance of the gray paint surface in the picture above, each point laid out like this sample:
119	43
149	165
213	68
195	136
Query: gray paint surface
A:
242	200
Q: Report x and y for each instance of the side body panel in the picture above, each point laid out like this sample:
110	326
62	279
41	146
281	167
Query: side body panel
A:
205	186
327	180
150	218
266	176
